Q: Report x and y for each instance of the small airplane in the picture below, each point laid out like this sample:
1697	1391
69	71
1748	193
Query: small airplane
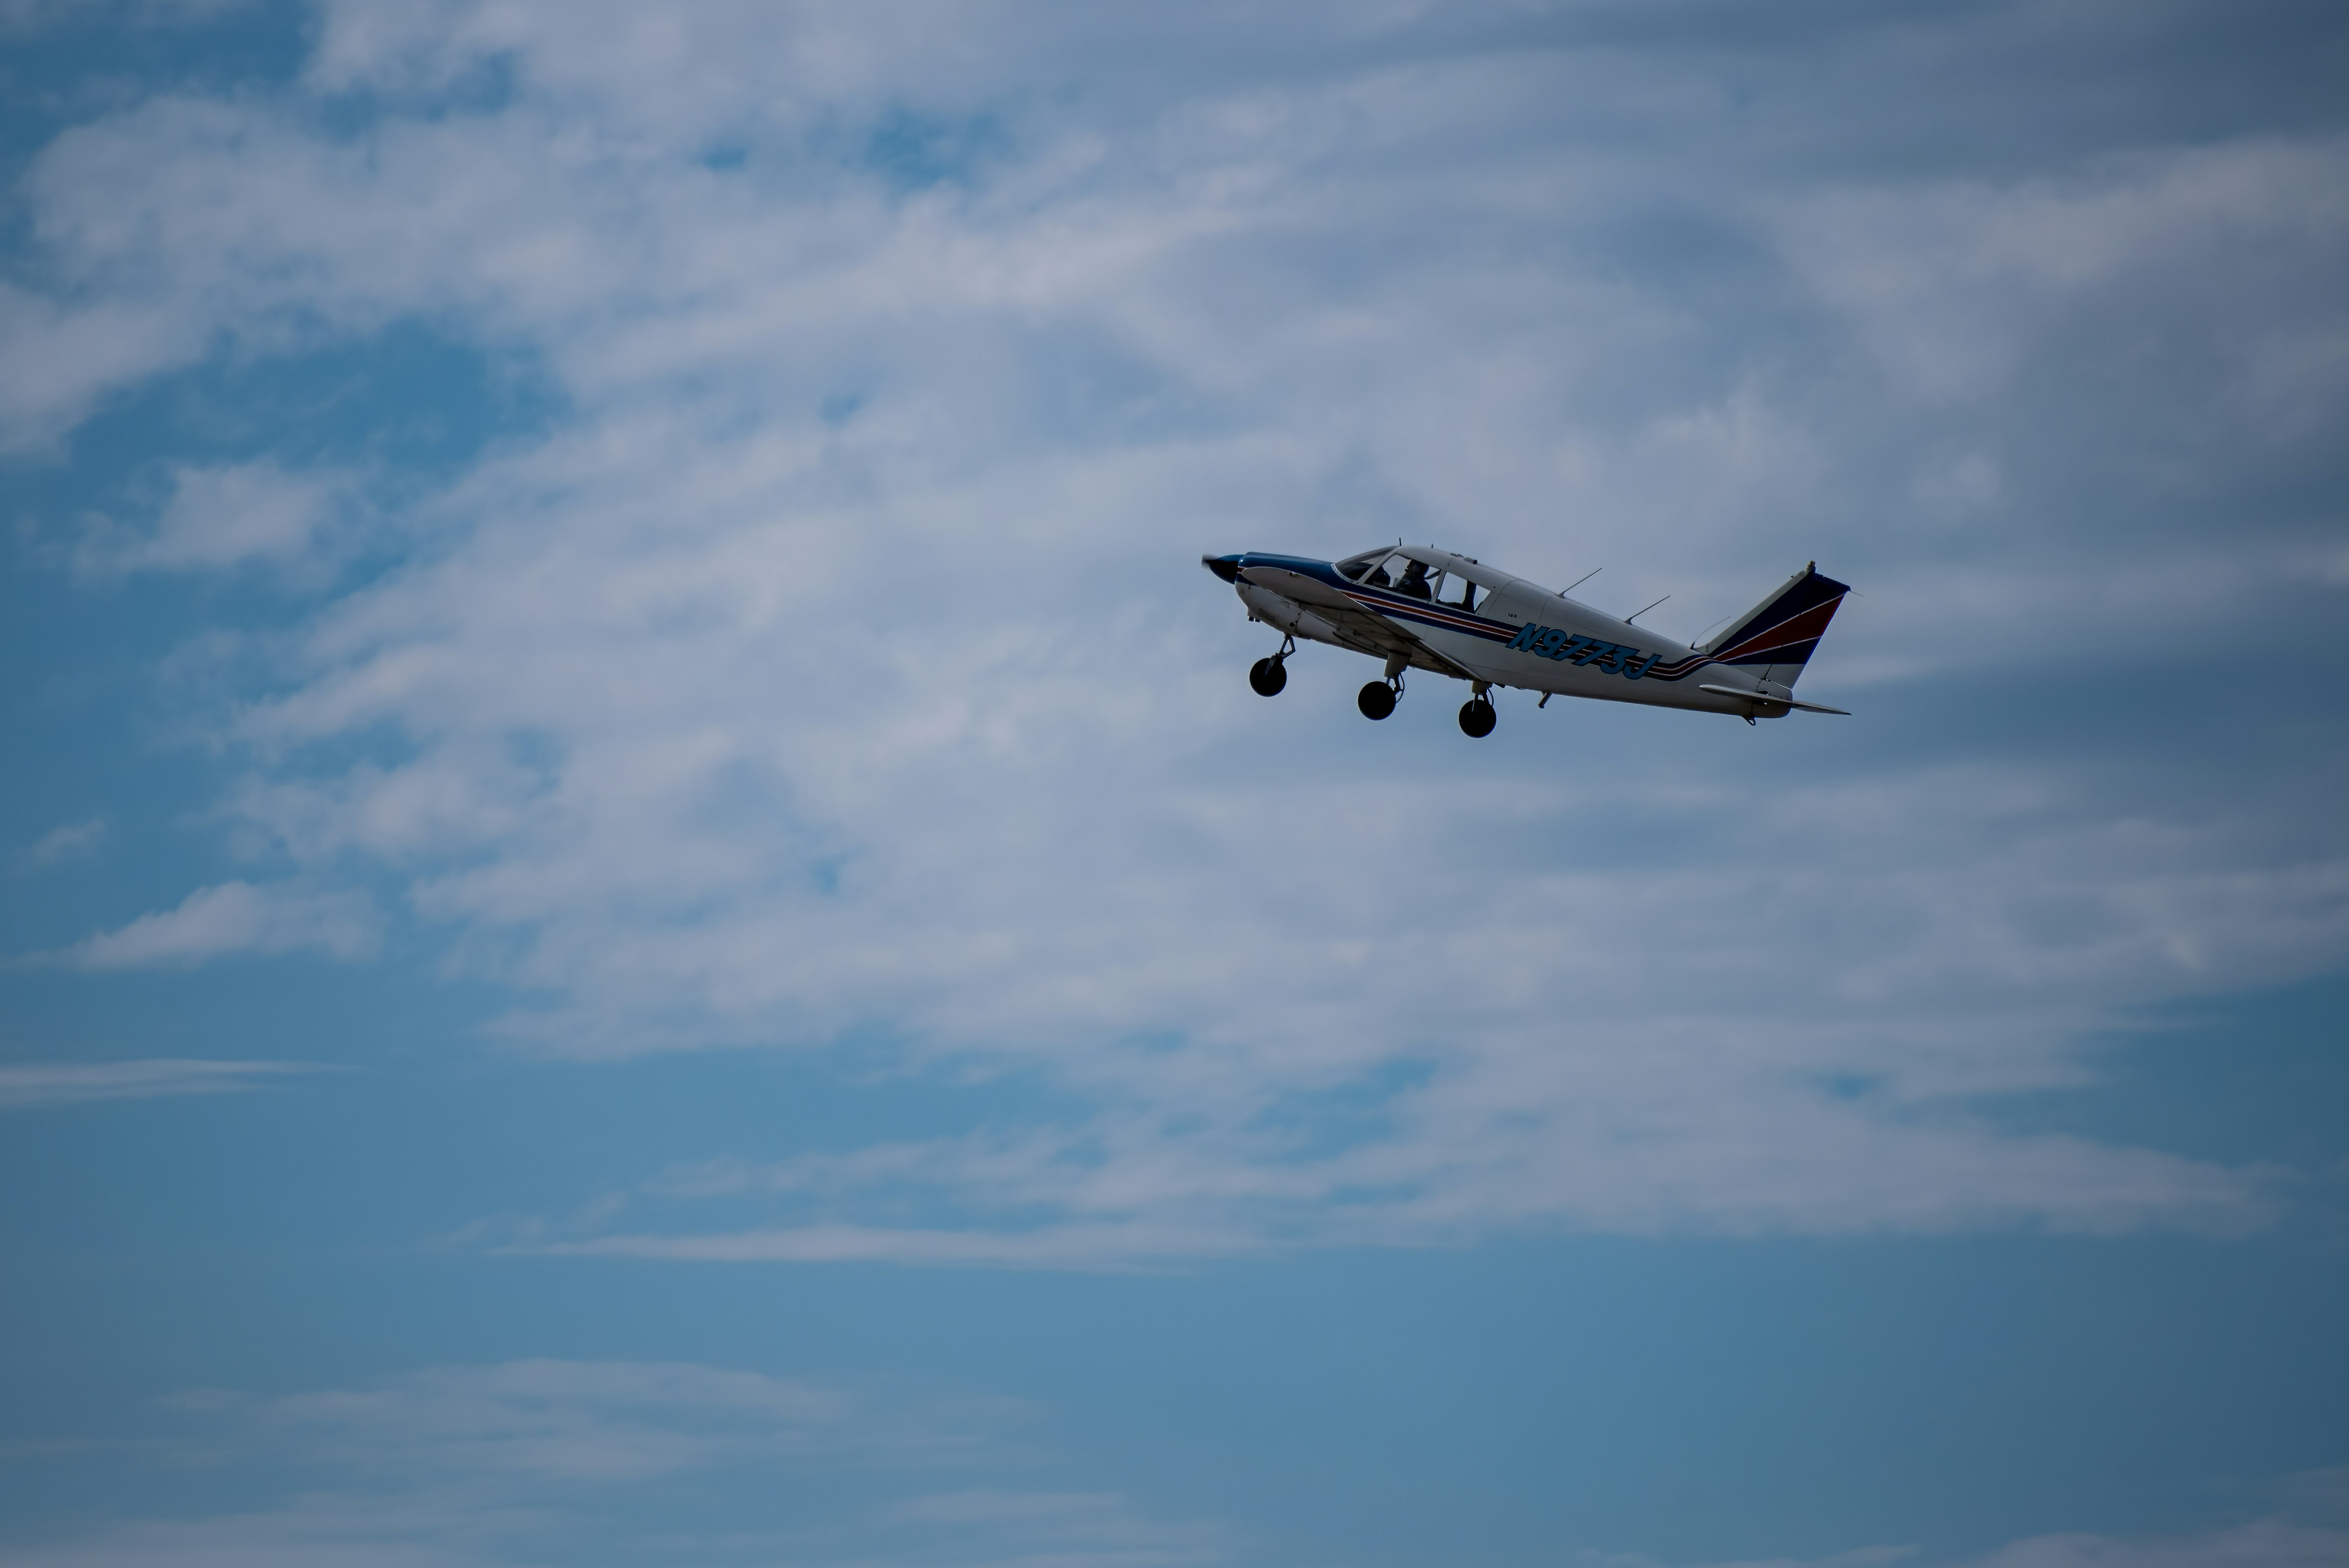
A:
1418	607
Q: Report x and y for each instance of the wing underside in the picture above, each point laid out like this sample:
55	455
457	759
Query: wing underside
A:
1376	635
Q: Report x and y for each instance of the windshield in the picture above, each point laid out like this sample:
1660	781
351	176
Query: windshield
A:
1396	569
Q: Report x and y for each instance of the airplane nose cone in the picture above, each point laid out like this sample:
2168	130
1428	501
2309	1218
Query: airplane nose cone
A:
1227	567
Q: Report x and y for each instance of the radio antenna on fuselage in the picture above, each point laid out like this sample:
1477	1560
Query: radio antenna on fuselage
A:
1708	631
1637	614
1581	580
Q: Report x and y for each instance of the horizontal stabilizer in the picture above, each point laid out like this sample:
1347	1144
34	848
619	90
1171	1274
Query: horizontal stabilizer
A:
1779	701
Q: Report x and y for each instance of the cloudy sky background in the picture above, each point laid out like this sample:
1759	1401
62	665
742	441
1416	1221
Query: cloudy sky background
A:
649	918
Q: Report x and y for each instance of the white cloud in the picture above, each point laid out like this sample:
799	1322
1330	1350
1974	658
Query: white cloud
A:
324	1533
2269	1543
225	516
1087	1247
716	718
234	917
1492	1141
67	841
1955	284
70	1083
1101	1528
30	15
235	513
553	1460
2299	1537
546	1461
62	360
560	1420
1859	1557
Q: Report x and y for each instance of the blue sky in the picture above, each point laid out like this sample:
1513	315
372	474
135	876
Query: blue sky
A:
648	919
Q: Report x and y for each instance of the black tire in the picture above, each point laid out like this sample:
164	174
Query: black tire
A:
1267	677
1376	700
1477	718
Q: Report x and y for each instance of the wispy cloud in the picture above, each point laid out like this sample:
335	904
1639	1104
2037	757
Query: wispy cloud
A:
222	516
2281	1543
1859	1557
609	1462
1482	1148
27	1083
563	1420
234	917
2310	1536
31	16
67	841
1098	1246
593	1463
1103	1528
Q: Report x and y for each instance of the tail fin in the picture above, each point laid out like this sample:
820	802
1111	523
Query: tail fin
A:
1775	638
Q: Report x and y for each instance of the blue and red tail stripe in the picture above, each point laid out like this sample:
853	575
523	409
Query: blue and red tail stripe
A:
1785	630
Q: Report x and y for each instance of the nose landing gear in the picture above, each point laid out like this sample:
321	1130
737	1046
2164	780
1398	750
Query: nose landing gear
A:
1266	676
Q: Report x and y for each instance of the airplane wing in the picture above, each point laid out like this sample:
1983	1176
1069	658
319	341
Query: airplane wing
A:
1373	634
1306	585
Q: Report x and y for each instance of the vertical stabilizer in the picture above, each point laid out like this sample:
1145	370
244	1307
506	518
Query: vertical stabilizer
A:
1775	639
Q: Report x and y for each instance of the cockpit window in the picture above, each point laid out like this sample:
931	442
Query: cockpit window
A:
1397	570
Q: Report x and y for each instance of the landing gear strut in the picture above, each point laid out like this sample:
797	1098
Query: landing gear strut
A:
1266	676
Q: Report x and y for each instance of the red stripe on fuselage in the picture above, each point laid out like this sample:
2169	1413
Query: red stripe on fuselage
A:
1441	614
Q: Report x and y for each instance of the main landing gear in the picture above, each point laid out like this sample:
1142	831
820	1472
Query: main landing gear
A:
1476	716
1266	676
1378	699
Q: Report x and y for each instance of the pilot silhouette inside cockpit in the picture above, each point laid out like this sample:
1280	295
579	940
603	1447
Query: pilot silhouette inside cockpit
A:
1414	581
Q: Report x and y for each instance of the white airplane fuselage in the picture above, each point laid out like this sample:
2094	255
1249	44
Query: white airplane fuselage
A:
1455	616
